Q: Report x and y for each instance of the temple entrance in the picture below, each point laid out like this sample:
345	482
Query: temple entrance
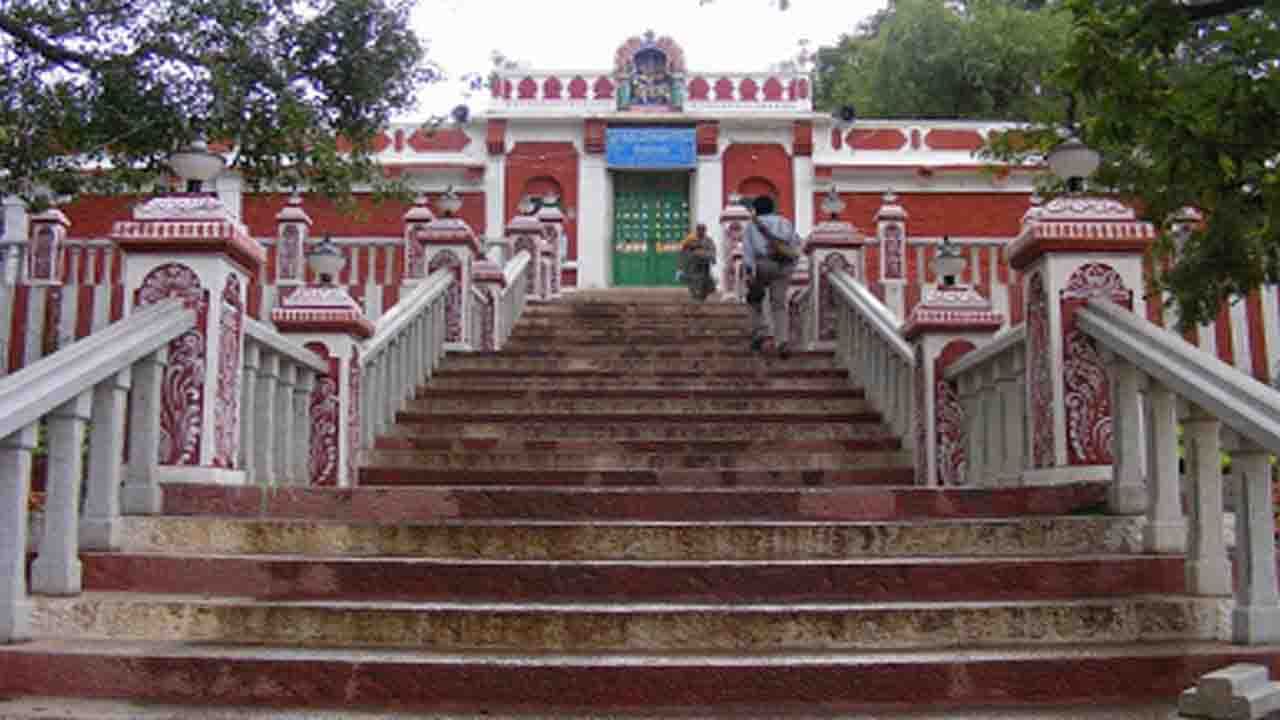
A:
650	219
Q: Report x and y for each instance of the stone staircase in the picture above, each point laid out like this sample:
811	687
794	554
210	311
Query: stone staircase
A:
624	511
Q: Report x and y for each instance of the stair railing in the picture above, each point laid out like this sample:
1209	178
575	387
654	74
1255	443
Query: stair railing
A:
991	384
80	389
869	344
514	297
405	349
1157	382
275	407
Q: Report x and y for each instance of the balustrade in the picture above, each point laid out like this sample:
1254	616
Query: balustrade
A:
870	346
990	382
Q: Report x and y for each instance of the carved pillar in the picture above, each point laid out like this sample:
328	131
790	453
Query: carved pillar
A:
891	234
44	247
330	322
733	224
951	321
293	227
416	221
450	244
15	466
525	233
555	249
191	247
489	283
1071	251
835	245
1208	571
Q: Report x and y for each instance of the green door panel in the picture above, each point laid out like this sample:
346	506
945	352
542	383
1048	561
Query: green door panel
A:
650	219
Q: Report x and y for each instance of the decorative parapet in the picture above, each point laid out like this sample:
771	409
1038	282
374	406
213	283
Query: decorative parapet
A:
950	309
1081	224
197	225
293	227
319	309
44	256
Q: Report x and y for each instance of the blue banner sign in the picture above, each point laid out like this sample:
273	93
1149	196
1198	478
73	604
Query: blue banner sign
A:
640	147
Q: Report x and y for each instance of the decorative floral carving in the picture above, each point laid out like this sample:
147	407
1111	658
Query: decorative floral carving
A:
799	302
529	244
952	457
893	251
325	422
354	409
453	298
1085	208
1039	382
415	252
199	207
485	306
44	251
289	255
1086	389
182	389
827	296
921	428
226	408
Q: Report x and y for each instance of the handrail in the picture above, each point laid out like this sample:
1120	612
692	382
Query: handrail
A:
515	267
870	307
1005	339
393	321
35	391
281	345
1249	407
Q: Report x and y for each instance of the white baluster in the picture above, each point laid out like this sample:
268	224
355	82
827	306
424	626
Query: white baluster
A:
1256	617
15	485
141	495
1207	570
56	570
1013	410
283	429
1166	530
1127	494
100	527
969	391
906	401
264	408
301	472
993	420
248	414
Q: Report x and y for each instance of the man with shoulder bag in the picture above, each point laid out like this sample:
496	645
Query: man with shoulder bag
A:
771	249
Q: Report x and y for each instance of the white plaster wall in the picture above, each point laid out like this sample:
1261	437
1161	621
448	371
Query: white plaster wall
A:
595	210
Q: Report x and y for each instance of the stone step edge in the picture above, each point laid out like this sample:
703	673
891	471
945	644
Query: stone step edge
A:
620	609
563	684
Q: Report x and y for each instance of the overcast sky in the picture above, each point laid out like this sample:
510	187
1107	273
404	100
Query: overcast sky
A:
726	35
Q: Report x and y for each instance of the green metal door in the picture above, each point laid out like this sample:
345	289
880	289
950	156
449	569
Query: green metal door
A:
650	219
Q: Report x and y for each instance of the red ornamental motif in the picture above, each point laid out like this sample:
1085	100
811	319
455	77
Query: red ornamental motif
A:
952	458
353	415
921	427
1086	390
414	253
324	412
290	255
453	296
827	296
182	389
529	245
44	247
1039	382
226	408
486	306
893	251
795	313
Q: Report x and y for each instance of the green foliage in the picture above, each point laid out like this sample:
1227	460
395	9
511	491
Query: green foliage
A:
986	59
1183	103
118	85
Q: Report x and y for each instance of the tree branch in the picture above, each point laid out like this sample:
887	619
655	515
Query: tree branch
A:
1216	8
49	50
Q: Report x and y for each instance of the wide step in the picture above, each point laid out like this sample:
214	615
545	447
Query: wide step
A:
655	504
358	530
410	579
631	627
557	685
